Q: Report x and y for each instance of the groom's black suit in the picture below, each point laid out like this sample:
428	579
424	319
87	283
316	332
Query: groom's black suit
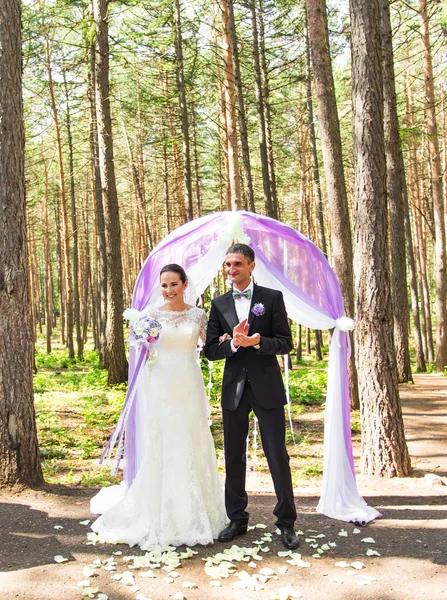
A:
252	381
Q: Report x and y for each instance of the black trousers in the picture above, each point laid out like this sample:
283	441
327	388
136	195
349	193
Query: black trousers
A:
272	428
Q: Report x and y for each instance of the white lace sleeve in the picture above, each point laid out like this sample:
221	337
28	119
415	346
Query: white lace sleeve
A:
203	326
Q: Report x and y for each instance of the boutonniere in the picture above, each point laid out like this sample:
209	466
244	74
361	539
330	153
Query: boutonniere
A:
258	309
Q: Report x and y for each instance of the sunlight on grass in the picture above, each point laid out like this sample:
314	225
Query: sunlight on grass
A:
76	412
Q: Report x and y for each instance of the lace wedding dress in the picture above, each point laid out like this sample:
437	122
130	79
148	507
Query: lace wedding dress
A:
176	497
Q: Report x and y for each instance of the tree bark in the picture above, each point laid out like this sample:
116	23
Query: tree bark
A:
115	354
101	263
232	152
65	236
384	449
437	195
74	225
270	207
248	183
420	358
187	178
327	114
268	118
313	146
395	188
19	449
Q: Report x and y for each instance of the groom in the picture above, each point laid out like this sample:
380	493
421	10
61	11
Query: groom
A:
252	321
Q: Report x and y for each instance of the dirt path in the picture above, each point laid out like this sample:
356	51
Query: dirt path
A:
410	538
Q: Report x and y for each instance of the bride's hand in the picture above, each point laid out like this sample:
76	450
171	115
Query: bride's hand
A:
224	338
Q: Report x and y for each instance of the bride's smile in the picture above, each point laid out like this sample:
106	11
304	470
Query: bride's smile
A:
172	289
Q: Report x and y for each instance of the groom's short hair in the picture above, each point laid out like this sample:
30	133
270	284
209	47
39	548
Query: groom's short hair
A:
242	249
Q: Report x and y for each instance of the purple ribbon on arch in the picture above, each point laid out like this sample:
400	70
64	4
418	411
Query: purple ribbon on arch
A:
144	347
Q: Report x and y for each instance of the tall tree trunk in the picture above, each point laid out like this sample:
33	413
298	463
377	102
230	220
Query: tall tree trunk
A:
242	120
420	359
395	188
270	207
326	105
230	122
65	236
74	226
313	146
384	449
115	354
49	308
19	449
436	190
101	263
60	274
268	117
187	178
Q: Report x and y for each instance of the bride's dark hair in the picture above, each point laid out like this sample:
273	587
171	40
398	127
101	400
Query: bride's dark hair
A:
173	268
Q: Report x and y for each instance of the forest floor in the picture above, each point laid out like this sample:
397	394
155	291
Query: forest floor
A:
410	540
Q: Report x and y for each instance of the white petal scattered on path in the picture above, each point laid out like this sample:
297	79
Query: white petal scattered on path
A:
369	540
215	583
60	559
356	530
371	552
88	572
282	570
85	583
357	565
149	574
58	527
342	563
90	592
127	578
287	593
343	533
179	596
86	522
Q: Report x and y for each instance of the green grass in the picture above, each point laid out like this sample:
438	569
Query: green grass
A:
76	412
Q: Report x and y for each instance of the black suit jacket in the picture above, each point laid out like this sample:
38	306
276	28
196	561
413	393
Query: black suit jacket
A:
261	366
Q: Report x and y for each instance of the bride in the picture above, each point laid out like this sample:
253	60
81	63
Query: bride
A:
176	496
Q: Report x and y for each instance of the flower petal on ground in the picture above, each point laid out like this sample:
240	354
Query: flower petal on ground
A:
371	552
60	559
369	540
357	565
342	563
215	583
86	522
287	593
149	574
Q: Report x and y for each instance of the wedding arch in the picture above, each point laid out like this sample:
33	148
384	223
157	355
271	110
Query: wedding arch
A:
287	261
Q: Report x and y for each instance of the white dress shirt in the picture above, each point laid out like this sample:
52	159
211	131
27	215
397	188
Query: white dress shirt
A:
242	306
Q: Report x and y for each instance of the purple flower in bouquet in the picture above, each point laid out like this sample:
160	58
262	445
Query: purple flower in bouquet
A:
258	309
144	329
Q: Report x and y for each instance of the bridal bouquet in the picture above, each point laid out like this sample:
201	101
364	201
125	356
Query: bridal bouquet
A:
145	329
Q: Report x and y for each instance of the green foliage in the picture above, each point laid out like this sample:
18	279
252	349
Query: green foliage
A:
76	412
307	385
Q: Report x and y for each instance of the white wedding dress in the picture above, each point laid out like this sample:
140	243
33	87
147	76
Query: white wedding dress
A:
176	497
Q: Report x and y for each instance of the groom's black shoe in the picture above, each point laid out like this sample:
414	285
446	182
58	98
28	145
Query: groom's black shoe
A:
289	538
234	529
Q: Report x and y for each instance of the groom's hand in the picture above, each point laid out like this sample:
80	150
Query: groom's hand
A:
246	341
